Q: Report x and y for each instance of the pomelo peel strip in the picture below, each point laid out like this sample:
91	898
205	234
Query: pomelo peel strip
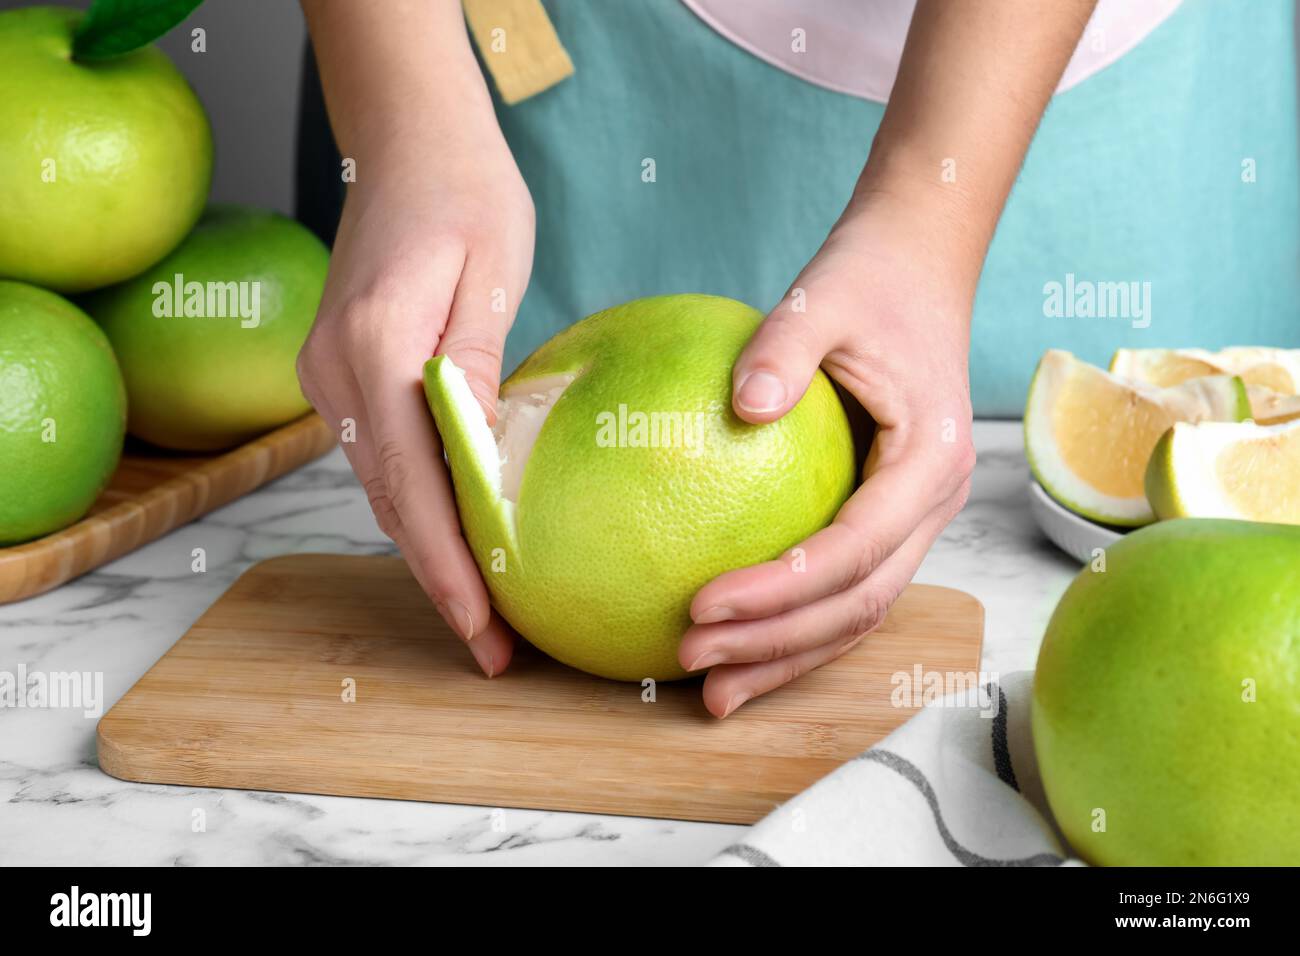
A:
487	464
471	452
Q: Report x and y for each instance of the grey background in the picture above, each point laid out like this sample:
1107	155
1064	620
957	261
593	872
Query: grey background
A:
248	81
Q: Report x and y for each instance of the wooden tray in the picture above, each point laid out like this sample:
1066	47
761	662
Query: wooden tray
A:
151	493
252	697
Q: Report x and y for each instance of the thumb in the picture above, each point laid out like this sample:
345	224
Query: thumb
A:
476	349
475	337
777	365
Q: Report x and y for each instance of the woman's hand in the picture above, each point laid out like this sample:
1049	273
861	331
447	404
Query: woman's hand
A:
433	254
875	311
884	308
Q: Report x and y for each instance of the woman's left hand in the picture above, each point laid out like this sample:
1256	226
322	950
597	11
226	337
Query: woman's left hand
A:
879	310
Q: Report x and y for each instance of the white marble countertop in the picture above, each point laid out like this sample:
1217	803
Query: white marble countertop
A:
56	807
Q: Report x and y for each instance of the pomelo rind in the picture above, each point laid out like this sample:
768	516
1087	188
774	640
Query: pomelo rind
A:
471	450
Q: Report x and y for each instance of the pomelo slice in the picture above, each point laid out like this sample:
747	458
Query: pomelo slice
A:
1163	367
1218	470
1276	369
1268	407
1089	434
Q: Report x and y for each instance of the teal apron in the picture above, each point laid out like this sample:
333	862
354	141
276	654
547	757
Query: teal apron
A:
673	161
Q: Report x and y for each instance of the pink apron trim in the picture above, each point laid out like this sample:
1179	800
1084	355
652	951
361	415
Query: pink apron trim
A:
854	46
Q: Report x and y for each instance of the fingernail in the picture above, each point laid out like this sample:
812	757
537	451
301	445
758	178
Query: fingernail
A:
715	614
483	658
735	702
457	615
761	392
707	659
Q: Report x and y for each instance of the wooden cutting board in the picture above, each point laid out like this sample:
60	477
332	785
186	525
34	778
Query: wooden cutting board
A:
253	697
152	492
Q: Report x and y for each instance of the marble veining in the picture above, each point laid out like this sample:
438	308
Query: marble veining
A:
56	807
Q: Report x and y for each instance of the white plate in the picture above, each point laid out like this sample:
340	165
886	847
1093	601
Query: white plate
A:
1076	536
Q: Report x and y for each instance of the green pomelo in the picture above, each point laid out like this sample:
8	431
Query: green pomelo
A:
620	480
104	167
62	412
1166	703
214	365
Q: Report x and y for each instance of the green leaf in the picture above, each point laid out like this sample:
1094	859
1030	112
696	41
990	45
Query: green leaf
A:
114	27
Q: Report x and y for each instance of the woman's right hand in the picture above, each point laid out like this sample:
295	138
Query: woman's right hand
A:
433	255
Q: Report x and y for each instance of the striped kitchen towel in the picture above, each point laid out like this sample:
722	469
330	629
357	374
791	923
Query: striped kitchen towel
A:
957	785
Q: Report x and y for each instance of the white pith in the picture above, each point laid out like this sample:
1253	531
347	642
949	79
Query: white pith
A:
520	416
501	452
1194	452
1196	399
1199	399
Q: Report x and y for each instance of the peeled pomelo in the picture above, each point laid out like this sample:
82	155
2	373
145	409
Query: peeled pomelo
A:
1274	369
1218	470
1166	700
1089	434
618	480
